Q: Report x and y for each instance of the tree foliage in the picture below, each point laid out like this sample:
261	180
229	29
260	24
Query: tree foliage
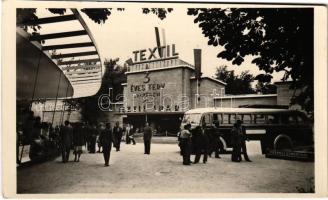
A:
113	77
98	15
266	88
159	12
236	84
278	39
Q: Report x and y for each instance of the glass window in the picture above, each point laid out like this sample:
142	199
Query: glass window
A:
272	119
215	117
247	119
192	118
225	119
233	118
288	119
259	119
207	119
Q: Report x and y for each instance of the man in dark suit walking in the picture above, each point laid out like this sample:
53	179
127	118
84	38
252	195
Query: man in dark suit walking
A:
118	133
66	135
148	133
106	140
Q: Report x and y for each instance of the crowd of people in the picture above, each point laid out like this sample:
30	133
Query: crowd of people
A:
73	136
102	135
203	141
43	137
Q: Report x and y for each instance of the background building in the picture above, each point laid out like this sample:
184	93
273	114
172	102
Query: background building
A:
160	91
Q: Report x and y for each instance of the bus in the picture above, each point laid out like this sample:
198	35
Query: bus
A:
276	129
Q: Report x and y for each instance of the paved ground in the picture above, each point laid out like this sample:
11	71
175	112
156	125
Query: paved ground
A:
131	171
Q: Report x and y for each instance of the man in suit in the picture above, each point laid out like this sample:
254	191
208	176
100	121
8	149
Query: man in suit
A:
66	135
106	140
185	144
201	144
148	133
214	137
117	132
243	142
93	139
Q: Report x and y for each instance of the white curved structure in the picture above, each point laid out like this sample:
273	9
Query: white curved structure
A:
67	41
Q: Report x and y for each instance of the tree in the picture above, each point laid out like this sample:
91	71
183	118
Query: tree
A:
278	39
235	84
266	88
159	12
113	77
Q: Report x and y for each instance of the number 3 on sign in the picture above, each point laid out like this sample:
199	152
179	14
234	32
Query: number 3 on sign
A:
147	79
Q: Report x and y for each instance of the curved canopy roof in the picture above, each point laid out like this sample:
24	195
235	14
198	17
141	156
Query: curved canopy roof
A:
61	61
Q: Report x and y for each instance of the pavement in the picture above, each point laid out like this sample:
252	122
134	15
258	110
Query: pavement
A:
131	171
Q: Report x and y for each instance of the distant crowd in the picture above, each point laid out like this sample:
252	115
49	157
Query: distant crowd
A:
42	137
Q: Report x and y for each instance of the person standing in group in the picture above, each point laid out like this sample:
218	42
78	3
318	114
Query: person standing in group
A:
214	138
126	130
148	133
106	140
78	141
243	141
236	134
201	144
131	134
99	128
93	139
117	132
87	133
185	144
66	134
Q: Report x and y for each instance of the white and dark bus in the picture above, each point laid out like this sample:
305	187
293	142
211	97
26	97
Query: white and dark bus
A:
278	129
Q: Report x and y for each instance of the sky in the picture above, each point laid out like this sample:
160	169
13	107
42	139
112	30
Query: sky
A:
130	30
125	32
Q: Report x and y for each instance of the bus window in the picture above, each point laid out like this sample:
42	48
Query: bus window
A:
247	119
272	119
232	118
259	119
207	120
215	117
288	119
225	119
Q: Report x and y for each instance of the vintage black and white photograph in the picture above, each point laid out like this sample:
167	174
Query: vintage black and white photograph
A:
165	98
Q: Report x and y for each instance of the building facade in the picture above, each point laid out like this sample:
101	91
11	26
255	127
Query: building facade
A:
159	91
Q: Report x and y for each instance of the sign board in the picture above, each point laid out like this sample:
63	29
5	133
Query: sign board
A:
153	53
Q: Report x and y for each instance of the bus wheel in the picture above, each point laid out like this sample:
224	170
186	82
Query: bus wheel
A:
283	142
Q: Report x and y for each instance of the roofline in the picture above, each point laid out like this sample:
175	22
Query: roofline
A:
153	113
160	69
238	110
247	96
210	78
282	82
